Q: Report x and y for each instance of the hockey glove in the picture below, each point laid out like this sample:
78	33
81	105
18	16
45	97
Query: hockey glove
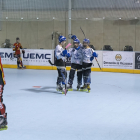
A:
95	54
68	55
64	53
23	51
78	48
91	58
73	37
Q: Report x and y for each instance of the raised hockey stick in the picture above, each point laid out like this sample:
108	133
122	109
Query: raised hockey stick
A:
67	46
98	63
83	32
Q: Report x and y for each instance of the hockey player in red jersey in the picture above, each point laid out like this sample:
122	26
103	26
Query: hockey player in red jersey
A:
3	114
17	47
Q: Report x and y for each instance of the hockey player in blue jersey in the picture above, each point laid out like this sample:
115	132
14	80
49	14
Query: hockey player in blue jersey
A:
88	56
76	64
60	55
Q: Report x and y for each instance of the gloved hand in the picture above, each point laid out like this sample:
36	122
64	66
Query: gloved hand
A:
23	51
95	54
64	53
68	55
78	48
91	58
73	37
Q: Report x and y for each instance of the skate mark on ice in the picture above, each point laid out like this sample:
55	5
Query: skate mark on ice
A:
43	89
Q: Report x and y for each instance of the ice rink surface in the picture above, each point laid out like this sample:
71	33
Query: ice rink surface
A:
111	111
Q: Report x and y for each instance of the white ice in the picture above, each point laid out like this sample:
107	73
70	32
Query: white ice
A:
111	111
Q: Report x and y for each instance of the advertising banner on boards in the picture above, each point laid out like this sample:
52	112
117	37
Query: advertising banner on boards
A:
31	57
118	59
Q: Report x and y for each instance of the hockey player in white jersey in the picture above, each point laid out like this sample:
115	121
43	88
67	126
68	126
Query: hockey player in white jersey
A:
60	55
76	64
88	56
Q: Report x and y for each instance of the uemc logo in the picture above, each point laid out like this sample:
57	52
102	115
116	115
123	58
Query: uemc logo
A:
27	56
36	56
6	55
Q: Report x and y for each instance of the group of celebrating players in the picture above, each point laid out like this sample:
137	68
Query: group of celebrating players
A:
81	60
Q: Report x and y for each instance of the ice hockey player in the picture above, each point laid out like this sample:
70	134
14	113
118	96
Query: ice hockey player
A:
60	55
88	56
76	64
3	114
17	47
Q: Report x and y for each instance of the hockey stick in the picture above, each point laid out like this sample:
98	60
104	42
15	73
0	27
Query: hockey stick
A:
65	74
83	32
50	62
12	57
98	63
65	79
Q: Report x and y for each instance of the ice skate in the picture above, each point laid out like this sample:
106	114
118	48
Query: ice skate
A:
3	123
19	67
64	90
88	88
83	88
78	87
69	87
59	88
23	67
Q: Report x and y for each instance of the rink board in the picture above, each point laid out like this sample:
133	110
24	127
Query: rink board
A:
110	61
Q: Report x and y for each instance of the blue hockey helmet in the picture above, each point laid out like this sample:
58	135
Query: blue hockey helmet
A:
61	39
76	41
86	40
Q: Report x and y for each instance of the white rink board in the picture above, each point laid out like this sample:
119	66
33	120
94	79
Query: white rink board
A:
6	54
31	57
37	57
118	59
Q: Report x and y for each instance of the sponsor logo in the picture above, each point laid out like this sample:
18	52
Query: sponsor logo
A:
27	55
36	56
138	58
118	57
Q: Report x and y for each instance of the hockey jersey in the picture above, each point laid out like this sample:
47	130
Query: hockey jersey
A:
87	54
17	47
76	55
58	53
